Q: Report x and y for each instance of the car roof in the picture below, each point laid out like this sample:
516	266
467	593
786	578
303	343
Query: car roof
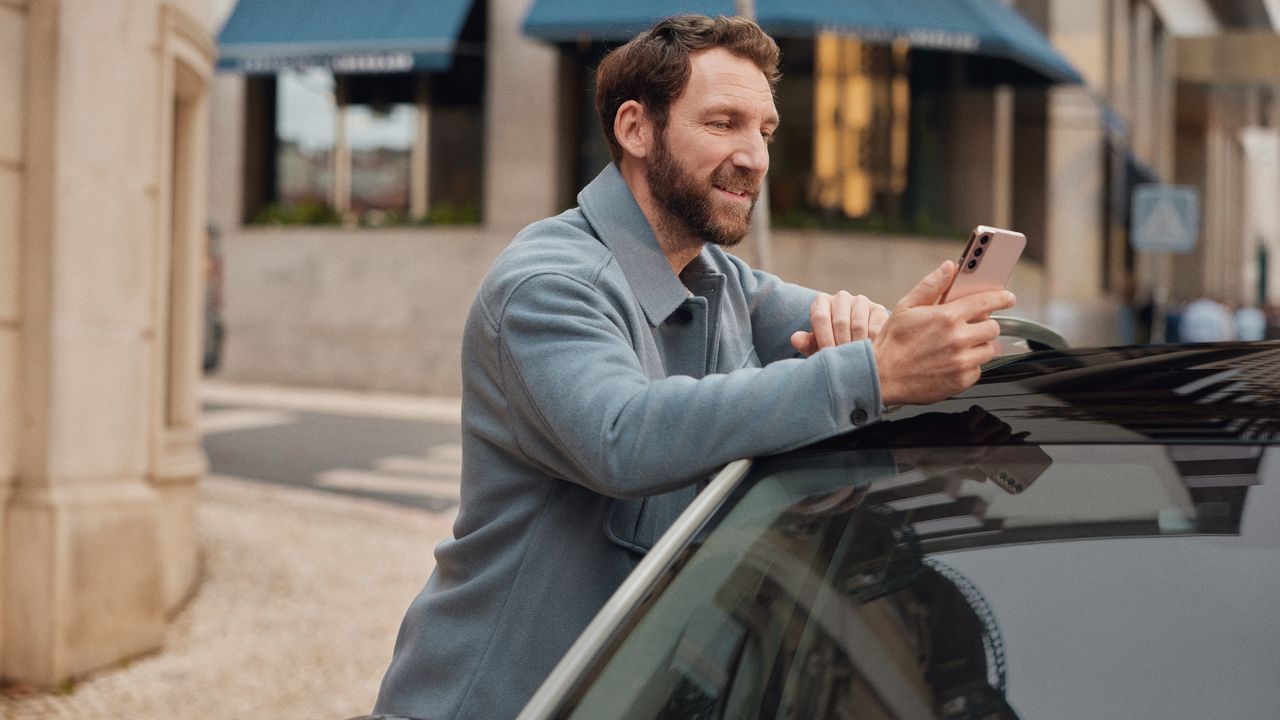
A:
1210	394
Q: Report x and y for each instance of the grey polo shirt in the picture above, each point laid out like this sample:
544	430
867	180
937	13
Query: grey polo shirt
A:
598	390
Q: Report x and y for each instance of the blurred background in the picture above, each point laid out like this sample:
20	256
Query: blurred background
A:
298	198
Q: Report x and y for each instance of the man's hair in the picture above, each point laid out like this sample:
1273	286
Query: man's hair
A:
653	67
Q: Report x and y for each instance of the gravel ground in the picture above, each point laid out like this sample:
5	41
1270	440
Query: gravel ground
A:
296	615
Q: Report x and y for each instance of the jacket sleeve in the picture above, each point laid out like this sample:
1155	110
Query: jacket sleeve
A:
585	410
777	308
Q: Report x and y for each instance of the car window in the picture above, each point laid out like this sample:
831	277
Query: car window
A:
814	594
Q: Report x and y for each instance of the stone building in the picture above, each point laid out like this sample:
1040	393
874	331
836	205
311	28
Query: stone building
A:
103	145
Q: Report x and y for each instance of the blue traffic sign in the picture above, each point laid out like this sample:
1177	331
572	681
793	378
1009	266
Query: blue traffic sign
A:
1165	218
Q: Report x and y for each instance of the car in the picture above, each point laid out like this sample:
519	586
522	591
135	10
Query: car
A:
1087	533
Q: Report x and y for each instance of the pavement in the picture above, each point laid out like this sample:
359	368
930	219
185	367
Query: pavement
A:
317	523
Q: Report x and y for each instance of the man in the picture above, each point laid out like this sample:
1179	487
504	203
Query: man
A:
615	357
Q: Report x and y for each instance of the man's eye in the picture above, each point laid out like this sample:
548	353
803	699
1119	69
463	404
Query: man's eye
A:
720	124
768	137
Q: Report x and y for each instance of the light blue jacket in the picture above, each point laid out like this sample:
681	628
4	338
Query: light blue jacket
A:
598	393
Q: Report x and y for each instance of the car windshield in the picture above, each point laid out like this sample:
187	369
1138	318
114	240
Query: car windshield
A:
1000	582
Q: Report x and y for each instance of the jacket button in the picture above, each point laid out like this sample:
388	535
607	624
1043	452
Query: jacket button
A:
859	416
683	316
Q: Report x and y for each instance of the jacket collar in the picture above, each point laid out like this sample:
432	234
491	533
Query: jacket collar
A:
619	223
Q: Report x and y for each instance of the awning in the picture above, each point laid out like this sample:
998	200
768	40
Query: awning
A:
369	36
985	28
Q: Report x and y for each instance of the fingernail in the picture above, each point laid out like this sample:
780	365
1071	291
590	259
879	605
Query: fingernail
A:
1010	298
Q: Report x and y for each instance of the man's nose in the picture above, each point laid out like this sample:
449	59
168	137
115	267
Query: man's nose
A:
752	154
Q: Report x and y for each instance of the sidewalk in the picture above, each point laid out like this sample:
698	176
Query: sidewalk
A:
300	600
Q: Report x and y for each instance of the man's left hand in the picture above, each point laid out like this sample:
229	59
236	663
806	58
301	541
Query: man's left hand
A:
839	319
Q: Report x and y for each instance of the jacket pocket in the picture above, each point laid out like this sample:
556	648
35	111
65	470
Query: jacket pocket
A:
637	524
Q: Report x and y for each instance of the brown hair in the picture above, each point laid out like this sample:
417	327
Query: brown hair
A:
653	67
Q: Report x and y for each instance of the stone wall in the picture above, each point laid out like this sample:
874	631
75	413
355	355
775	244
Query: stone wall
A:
384	310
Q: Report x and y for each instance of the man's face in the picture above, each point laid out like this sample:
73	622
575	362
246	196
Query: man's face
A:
708	163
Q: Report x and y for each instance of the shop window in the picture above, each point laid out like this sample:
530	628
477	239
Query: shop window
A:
381	125
305	119
368	149
861	146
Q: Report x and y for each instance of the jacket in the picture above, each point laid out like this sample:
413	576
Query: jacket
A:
599	391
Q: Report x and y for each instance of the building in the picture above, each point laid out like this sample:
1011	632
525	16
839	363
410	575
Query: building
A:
103	128
353	246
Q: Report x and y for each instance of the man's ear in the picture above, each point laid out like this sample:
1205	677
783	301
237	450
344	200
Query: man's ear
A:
633	129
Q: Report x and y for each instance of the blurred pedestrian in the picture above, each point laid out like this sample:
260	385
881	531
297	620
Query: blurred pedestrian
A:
1273	321
1251	323
1206	320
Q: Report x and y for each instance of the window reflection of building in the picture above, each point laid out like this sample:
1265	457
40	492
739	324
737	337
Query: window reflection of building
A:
818	607
305	121
861	101
380	118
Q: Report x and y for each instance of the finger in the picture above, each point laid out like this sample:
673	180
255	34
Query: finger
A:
979	306
844	322
993	432
877	320
860	318
978	354
930	287
985	427
804	342
978	333
820	317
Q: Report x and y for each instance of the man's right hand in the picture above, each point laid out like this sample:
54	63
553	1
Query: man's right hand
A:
927	352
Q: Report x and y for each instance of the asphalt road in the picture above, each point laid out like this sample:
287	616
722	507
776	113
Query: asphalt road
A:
412	462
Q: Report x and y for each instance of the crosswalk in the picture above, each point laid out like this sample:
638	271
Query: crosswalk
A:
317	438
433	475
213	422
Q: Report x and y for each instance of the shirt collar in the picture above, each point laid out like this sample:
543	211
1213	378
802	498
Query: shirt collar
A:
615	216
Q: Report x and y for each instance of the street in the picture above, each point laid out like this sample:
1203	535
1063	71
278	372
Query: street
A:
396	449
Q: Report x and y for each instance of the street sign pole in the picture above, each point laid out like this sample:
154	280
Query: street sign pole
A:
1159	300
1164	219
760	231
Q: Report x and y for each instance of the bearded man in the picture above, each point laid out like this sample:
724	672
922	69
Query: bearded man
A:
616	356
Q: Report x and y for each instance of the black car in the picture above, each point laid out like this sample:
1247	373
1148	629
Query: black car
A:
1083	534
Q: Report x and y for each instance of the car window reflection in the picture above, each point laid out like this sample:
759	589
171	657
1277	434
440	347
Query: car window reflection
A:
813	593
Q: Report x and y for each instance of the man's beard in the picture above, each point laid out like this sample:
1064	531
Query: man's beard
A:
688	201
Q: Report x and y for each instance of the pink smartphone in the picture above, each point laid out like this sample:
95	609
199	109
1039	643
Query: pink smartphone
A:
987	261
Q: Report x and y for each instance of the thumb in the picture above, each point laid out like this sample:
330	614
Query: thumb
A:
930	287
805	343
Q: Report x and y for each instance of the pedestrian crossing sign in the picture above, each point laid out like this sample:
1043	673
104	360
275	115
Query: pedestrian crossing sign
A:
1164	218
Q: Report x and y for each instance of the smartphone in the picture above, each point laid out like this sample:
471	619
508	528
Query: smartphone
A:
1014	467
987	261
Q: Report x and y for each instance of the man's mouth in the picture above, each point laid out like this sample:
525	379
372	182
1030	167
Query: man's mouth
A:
744	195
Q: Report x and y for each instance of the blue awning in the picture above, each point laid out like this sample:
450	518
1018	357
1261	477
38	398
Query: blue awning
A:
369	36
979	27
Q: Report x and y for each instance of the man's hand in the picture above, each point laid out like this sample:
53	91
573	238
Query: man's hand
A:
838	319
927	352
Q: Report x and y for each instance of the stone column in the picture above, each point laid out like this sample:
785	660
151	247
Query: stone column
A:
1075	236
177	461
87	532
13	64
521	96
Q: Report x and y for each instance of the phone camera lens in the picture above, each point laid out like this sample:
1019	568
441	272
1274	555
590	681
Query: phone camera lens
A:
984	239
972	264
977	252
